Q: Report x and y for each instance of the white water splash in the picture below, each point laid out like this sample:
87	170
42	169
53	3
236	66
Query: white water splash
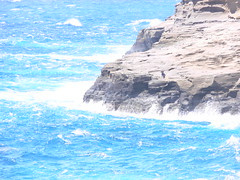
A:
150	22
79	132
187	148
70	95
116	53
71	5
60	136
73	22
234	142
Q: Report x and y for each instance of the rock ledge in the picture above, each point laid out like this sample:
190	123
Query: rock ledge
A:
190	60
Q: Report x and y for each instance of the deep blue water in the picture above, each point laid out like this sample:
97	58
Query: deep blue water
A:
51	51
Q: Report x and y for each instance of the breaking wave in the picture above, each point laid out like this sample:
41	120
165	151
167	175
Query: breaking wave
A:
73	22
145	23
70	95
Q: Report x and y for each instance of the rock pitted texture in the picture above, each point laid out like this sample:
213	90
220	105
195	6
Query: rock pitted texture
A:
190	60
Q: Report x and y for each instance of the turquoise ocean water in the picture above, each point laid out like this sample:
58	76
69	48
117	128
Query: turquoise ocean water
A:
51	51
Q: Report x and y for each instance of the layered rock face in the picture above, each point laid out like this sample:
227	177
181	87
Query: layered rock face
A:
189	61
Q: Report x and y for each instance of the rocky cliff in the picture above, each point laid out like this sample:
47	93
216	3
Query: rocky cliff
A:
189	61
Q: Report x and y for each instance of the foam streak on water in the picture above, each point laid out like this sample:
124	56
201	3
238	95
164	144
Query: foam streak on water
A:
51	52
52	133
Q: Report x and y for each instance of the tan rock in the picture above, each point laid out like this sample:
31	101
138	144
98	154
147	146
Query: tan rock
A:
191	59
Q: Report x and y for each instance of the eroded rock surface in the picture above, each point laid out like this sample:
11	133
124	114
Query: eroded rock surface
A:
190	60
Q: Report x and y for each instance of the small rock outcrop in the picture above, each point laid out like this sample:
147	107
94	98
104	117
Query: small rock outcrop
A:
189	61
146	38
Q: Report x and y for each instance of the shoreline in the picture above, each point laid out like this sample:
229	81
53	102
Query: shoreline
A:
188	61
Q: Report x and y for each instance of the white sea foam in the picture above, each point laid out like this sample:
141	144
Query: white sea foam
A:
100	155
229	177
71	5
60	136
234	142
150	22
215	120
70	95
188	148
73	22
6	149
15	9
79	132
102	58
235	175
64	171
115	52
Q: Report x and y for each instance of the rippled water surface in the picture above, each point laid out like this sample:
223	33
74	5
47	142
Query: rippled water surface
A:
50	53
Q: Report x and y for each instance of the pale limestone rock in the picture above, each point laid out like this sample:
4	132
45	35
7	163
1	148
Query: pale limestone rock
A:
190	60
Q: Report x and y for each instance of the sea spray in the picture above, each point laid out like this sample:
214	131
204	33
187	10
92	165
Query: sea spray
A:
70	95
73	22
